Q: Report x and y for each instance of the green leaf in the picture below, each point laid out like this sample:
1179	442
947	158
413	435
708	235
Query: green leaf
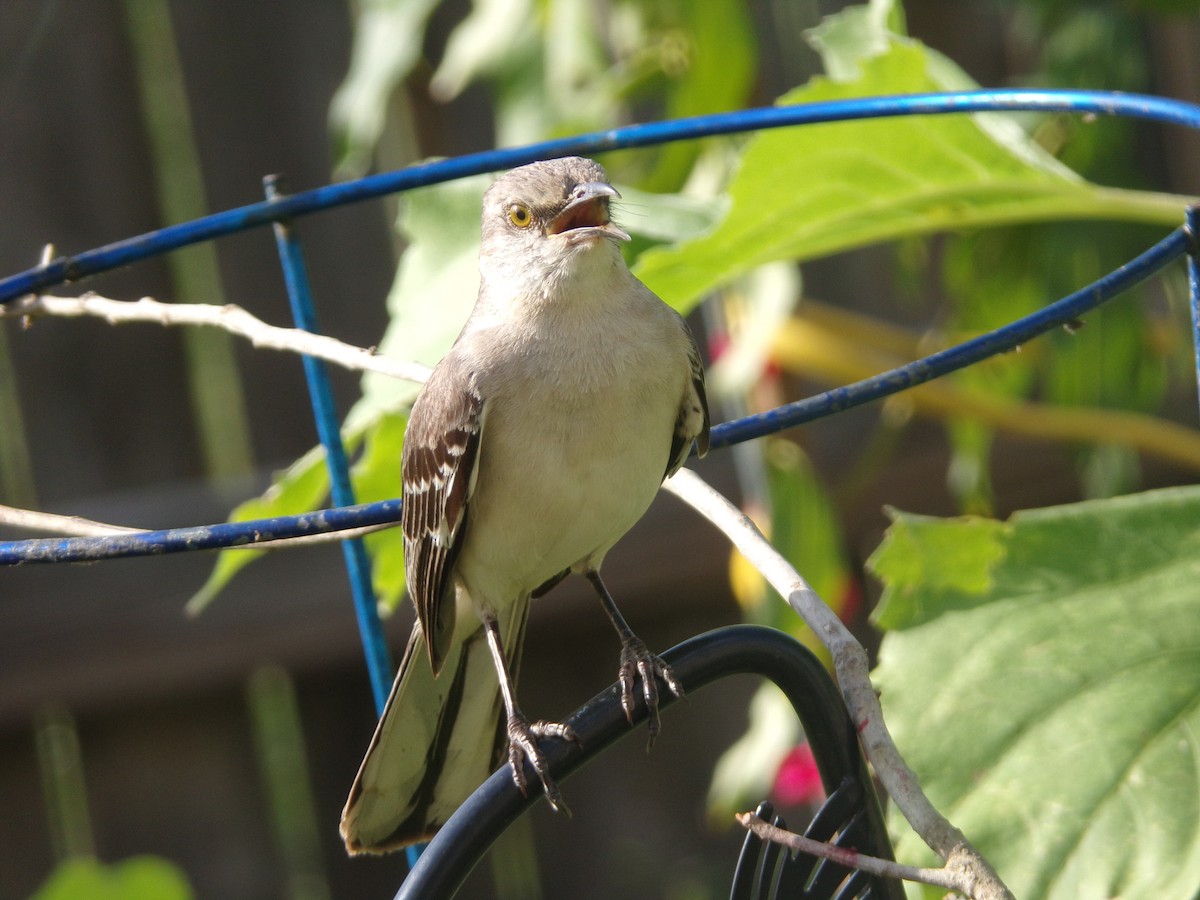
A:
656	217
709	55
136	878
805	529
483	43
931	566
388	37
376	476
857	33
434	289
1045	686
745	773
801	193
300	488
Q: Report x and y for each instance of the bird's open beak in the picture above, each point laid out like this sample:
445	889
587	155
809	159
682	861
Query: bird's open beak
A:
587	212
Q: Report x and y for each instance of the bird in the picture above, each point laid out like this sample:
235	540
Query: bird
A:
571	393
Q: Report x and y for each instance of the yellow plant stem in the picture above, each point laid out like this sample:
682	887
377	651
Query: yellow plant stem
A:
838	347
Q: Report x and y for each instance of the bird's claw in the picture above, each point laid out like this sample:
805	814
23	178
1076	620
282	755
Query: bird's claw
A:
523	745
638	662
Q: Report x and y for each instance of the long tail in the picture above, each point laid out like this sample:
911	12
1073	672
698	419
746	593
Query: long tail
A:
437	740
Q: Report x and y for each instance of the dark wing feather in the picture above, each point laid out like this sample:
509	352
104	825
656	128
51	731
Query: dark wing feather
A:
692	423
441	448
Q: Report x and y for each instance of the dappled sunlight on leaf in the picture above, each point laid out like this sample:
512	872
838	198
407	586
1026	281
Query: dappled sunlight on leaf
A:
1044	685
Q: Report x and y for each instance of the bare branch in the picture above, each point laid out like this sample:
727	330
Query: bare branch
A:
852	859
853	675
230	318
77	526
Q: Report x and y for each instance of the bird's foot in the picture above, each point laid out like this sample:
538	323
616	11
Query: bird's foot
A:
638	662
523	738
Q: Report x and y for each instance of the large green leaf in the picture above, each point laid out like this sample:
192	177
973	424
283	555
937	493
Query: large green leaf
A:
1045	686
800	193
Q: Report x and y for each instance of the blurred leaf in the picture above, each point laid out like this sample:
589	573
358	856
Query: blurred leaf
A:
744	773
857	33
1109	362
215	385
377	477
968	475
708	56
657	218
435	287
1044	689
482	43
805	527
285	775
754	310
299	488
388	35
805	192
992	282
805	530
136	878
573	88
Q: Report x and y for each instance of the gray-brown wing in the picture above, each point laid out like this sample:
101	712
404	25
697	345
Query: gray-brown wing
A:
692	423
441	448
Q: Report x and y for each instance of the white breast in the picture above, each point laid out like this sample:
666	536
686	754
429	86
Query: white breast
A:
575	439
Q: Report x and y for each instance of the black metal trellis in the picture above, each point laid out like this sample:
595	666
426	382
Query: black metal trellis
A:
278	209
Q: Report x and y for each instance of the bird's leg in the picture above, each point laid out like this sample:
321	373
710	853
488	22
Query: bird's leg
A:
636	660
523	734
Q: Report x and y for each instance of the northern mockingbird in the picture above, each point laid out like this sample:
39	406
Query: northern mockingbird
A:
538	441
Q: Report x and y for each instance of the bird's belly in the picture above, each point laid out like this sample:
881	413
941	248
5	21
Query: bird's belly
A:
573	486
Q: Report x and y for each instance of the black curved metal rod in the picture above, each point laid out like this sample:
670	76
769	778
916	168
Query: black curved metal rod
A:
733	650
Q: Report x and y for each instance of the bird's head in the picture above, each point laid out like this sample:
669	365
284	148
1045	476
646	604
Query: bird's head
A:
541	220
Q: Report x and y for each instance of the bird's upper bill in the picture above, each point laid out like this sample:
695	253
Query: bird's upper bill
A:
586	213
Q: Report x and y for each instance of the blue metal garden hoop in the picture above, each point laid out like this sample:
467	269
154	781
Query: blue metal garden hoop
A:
279	208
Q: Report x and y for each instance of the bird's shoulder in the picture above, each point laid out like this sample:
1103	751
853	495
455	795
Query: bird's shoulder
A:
449	400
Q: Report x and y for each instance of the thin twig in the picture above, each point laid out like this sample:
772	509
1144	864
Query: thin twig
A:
77	526
852	859
853	674
229	317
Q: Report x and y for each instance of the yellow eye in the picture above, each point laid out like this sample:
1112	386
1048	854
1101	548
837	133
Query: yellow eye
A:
520	215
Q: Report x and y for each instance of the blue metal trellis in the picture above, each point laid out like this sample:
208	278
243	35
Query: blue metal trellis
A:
358	565
120	253
1166	251
279	209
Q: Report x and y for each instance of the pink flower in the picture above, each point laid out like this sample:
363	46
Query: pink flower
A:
798	779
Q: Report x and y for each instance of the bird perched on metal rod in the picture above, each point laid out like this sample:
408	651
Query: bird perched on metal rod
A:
538	441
